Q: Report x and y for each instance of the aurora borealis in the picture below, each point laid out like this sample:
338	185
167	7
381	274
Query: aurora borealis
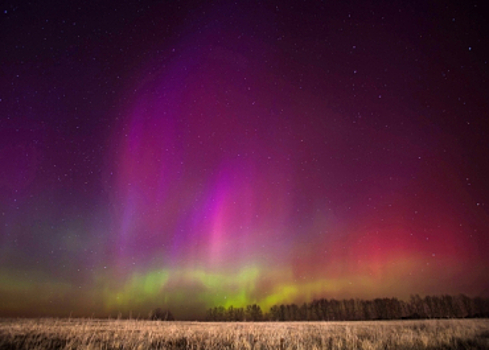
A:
191	154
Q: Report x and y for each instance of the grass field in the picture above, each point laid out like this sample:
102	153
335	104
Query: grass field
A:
137	334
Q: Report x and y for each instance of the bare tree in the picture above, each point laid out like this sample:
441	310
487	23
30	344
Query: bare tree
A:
161	315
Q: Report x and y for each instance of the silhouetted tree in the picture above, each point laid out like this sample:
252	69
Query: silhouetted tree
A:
275	313
230	314
349	308
160	315
367	309
468	305
481	306
254	313
417	306
395	309
430	306
283	313
304	312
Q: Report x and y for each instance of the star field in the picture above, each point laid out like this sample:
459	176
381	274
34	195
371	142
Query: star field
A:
196	154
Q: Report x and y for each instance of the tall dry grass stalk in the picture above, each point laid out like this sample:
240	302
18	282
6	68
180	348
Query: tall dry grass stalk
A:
37	334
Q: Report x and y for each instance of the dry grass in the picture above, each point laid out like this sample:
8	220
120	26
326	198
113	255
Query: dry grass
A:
131	334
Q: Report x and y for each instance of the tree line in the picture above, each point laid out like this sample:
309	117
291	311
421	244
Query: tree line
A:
443	306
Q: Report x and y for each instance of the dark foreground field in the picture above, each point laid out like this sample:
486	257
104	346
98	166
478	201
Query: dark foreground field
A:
131	334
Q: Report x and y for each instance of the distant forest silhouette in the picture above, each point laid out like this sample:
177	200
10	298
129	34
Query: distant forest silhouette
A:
444	306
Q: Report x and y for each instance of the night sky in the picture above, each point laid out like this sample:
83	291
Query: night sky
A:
190	154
